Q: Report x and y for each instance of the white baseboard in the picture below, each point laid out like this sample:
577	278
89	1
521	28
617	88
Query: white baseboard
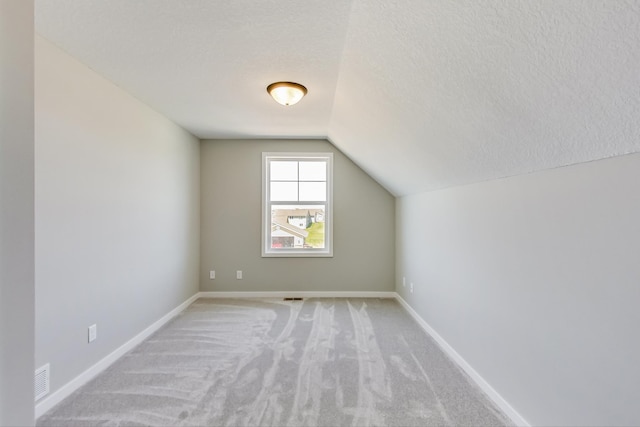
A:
73	385
475	376
298	294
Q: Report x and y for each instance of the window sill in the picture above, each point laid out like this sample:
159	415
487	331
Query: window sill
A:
297	254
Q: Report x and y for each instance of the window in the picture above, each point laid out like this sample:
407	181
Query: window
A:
296	204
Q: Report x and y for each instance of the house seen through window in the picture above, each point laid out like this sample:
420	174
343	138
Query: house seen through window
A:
297	189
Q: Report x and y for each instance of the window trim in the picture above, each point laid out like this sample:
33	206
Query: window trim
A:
267	251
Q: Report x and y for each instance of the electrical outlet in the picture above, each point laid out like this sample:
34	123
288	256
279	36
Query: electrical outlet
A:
404	282
93	332
212	274
239	274
411	287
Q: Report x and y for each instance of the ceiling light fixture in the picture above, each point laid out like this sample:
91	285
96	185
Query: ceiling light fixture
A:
286	93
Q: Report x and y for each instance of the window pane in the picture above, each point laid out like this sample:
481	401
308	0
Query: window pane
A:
313	171
284	191
313	192
315	239
284	171
300	226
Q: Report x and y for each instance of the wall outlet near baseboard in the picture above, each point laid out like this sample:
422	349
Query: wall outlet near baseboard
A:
93	332
239	274
212	274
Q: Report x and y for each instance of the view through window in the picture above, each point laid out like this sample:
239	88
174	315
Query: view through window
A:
297	204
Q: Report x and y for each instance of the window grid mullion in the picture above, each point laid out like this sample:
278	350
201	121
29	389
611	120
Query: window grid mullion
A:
298	177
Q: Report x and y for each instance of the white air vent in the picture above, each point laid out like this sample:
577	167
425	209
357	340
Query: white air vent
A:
42	382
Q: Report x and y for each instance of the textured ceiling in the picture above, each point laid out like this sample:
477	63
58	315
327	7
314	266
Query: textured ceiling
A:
206	64
422	94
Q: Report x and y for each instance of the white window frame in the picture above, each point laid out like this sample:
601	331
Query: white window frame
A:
267	250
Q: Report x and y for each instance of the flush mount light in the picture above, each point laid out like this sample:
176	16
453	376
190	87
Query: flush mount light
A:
286	93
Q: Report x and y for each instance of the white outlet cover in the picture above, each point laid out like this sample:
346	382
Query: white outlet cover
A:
239	274
93	333
212	274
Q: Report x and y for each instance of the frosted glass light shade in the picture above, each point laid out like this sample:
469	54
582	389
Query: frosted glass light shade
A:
286	93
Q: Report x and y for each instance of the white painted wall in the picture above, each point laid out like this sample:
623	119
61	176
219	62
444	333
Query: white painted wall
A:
535	281
16	213
231	195
117	214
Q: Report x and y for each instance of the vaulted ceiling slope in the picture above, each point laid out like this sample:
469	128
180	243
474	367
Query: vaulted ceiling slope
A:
422	94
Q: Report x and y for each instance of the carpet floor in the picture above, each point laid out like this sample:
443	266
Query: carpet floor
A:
268	362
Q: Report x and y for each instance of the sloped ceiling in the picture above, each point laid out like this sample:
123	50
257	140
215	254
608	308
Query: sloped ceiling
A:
422	94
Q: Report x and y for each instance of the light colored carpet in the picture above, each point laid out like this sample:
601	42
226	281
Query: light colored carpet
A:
320	362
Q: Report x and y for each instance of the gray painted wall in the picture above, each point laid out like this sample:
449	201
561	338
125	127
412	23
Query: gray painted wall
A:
117	214
231	194
16	213
535	281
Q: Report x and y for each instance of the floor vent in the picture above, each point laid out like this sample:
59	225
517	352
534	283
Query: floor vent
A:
293	299
42	382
